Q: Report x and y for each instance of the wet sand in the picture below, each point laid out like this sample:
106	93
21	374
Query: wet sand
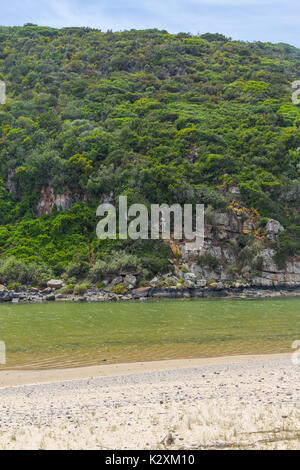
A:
10	378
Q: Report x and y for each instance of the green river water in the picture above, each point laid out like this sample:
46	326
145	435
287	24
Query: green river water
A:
56	335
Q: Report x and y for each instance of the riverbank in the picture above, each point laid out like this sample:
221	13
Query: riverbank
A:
10	378
233	402
35	295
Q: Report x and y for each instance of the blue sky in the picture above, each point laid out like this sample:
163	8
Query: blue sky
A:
250	20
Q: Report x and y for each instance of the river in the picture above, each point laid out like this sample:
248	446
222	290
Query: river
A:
58	335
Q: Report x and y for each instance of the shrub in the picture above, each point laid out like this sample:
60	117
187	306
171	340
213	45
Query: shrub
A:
231	269
67	289
154	264
122	262
14	285
263	222
99	271
116	263
81	288
288	245
15	270
77	270
143	284
208	261
120	290
251	253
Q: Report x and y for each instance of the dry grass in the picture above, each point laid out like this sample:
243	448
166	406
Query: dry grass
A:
209	426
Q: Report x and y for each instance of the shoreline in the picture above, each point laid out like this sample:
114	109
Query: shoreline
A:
150	293
16	378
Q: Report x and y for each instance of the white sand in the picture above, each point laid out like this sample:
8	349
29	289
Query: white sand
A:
237	402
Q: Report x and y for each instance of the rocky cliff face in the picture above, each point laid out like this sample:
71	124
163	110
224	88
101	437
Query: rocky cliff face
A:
235	249
224	259
48	199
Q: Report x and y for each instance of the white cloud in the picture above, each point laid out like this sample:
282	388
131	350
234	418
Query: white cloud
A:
265	20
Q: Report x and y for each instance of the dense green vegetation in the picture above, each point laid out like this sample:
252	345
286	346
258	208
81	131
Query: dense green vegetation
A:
147	114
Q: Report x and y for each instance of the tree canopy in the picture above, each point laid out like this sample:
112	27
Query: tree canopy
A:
161	118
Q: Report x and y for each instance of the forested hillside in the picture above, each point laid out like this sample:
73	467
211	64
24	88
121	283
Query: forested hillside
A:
157	117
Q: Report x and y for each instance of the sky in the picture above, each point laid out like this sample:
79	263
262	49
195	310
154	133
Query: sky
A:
249	20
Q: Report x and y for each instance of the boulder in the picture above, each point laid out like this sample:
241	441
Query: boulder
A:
273	228
42	292
141	292
268	263
116	281
130	281
5	296
50	297
189	284
197	270
55	283
220	285
154	281
211	283
191	277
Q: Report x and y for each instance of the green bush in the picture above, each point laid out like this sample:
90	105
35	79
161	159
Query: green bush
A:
120	290
208	261
121	262
14	285
15	270
98	271
288	245
67	289
263	222
231	269
80	289
251	253
76	270
116	263
155	264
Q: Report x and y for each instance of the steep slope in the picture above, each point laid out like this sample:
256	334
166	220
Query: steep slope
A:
157	117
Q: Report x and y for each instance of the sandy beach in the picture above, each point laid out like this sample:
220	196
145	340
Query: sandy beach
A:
238	402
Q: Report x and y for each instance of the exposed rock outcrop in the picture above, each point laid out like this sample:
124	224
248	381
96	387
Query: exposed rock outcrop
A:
223	260
273	228
11	182
48	199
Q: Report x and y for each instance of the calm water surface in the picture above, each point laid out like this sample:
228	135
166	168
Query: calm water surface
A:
39	336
